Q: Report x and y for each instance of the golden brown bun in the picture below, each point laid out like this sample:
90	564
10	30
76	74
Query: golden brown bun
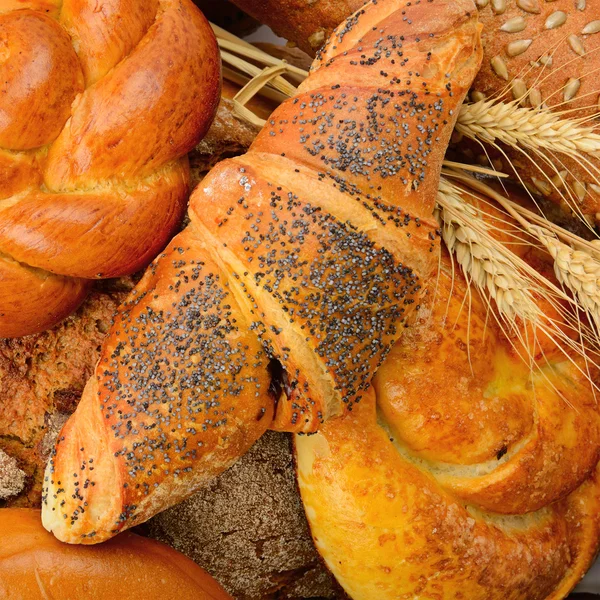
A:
266	273
34	564
466	473
33	300
552	32
93	169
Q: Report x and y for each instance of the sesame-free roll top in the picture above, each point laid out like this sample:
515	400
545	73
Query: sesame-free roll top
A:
301	263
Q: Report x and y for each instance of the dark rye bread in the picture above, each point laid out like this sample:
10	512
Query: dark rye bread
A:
247	528
41	379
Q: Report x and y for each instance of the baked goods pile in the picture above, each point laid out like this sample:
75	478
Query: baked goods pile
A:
427	338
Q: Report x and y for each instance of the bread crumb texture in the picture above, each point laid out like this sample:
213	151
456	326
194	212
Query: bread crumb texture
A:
12	479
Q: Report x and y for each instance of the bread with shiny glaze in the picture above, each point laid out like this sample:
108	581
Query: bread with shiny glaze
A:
34	564
94	177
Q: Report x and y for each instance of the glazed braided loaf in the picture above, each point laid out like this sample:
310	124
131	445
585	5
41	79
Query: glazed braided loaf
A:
93	173
276	305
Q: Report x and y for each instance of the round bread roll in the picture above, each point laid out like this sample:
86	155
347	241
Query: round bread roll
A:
33	564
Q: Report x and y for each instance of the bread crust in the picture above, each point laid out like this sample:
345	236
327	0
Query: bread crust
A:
304	22
556	51
269	263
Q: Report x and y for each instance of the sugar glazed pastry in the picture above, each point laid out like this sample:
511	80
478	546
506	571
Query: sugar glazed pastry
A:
301	262
94	176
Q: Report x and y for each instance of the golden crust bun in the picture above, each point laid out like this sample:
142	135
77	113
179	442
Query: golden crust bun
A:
34	564
471	470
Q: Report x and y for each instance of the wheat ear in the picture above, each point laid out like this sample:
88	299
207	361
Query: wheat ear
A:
488	264
541	136
578	269
532	128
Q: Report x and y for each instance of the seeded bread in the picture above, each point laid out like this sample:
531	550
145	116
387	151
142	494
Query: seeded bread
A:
547	54
183	387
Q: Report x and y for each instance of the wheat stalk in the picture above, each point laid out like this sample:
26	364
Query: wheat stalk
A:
578	269
488	264
532	128
541	136
518	290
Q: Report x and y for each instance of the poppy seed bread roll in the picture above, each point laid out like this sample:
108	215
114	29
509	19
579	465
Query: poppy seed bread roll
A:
277	304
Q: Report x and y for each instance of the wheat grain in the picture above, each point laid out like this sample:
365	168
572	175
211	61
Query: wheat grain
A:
578	269
488	264
575	269
529	128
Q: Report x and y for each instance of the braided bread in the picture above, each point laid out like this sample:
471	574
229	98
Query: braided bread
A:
468	472
93	173
278	302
